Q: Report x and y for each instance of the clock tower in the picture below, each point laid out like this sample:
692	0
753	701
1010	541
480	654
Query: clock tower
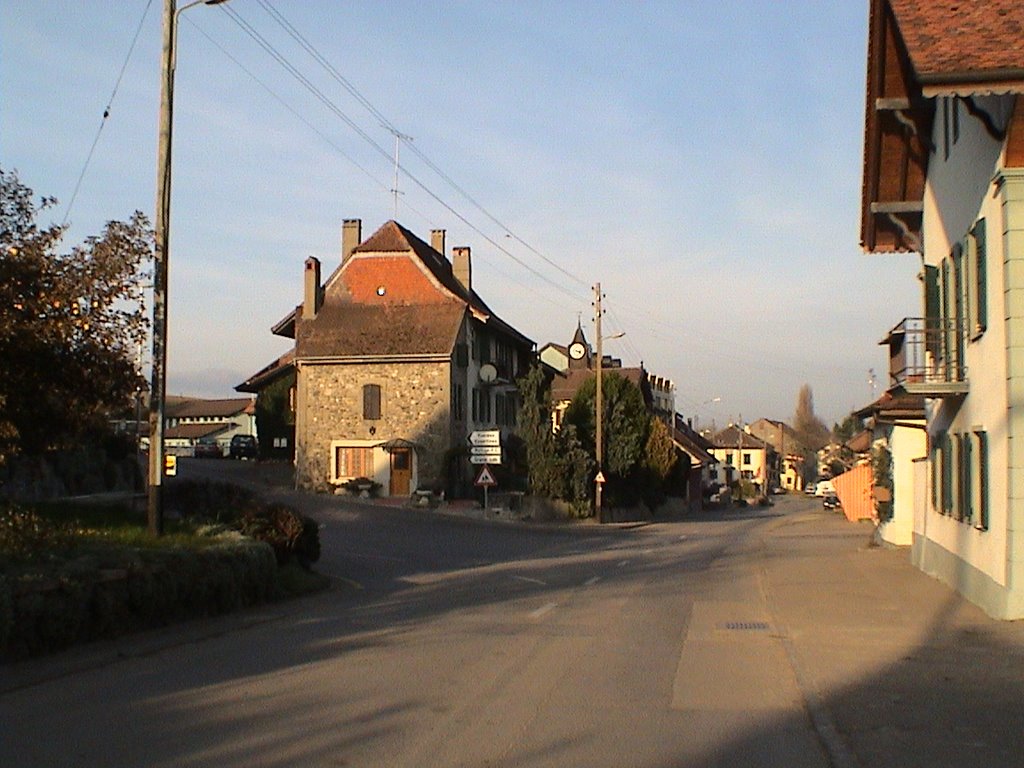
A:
579	350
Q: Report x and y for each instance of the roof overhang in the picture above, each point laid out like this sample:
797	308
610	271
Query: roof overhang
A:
897	141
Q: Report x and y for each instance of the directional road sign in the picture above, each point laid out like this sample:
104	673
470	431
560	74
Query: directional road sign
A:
485	450
485	437
485	459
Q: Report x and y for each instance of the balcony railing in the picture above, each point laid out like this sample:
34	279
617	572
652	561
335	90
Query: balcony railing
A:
926	357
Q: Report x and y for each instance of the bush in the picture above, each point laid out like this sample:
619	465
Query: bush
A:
289	534
43	611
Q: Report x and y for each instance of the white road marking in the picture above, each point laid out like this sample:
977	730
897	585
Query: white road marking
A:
623	563
531	581
591	581
544	610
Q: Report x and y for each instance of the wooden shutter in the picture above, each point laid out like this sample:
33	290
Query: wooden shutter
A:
371	401
980	274
932	309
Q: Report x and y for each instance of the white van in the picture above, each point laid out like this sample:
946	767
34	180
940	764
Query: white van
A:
824	488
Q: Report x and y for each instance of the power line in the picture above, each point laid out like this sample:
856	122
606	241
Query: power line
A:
106	114
368	105
331	106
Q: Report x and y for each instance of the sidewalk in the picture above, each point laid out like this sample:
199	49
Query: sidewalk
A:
906	671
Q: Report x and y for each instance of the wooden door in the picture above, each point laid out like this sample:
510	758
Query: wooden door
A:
401	471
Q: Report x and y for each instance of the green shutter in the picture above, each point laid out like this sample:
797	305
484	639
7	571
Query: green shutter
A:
982	520
931	309
946	447
966	471
981	310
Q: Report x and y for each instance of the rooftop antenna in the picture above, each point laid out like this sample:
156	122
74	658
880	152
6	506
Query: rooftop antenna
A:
399	137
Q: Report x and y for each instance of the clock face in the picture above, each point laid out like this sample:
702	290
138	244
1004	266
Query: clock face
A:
576	351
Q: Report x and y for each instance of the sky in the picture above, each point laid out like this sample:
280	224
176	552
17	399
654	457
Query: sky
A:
701	161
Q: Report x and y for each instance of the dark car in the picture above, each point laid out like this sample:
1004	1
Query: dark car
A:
244	447
208	448
831	501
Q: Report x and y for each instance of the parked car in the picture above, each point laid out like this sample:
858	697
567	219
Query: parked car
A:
824	488
244	447
208	448
830	501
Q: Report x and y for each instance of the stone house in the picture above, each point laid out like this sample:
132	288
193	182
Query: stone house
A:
396	360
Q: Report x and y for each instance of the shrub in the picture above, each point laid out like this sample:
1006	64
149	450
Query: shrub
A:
25	535
46	611
289	534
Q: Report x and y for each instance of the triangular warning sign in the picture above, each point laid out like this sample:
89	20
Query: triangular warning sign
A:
485	477
600	478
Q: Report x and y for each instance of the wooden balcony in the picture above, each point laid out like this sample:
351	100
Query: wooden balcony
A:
926	357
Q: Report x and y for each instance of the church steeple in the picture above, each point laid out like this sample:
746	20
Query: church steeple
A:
579	350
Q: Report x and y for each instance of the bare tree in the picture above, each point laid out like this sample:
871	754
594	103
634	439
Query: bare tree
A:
812	431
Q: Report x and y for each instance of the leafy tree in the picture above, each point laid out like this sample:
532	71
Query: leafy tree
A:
847	428
810	430
626	423
655	474
70	323
559	467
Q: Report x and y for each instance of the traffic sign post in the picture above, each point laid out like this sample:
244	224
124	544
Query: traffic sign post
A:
485	479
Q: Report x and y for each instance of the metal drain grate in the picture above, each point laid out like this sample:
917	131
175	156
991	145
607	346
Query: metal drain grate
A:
754	625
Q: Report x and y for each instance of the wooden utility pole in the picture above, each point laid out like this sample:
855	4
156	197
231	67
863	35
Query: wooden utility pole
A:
598	408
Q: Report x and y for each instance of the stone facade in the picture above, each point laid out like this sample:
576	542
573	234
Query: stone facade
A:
415	400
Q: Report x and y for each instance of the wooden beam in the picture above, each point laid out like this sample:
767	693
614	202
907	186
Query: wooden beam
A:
898	206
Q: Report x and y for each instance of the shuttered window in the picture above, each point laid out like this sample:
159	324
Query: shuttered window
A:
932	309
353	462
965	509
981	522
980	278
371	402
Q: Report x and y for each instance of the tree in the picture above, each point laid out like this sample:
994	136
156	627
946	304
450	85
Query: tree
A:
558	466
810	430
70	323
847	428
626	423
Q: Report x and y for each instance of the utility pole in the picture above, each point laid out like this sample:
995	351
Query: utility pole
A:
599	408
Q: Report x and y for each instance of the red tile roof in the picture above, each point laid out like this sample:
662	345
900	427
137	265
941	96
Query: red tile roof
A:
962	40
357	330
417	311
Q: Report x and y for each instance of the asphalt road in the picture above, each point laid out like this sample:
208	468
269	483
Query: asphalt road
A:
450	642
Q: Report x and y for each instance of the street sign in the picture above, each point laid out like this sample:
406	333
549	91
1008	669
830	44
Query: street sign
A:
485	437
600	478
485	450
485	478
171	465
485	459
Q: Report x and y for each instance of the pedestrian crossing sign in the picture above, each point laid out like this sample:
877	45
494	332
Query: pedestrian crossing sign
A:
485	478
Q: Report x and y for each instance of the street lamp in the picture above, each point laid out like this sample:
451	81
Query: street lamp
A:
157	393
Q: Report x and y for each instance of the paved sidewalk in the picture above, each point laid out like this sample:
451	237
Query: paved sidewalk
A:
896	668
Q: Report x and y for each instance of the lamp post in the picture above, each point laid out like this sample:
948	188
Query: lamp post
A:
157	392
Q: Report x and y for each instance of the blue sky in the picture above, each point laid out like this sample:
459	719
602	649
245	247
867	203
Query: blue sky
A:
702	161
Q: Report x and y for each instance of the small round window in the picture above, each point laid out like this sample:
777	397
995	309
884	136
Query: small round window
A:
381	290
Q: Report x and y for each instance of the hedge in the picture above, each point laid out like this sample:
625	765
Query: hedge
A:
44	610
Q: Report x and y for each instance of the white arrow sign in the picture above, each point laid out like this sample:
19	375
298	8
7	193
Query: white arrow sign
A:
485	450
485	459
485	437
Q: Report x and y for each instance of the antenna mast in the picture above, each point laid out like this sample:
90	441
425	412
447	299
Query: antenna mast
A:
399	137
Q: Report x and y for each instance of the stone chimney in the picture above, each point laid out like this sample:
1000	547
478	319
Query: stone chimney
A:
311	294
437	240
351	236
462	267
